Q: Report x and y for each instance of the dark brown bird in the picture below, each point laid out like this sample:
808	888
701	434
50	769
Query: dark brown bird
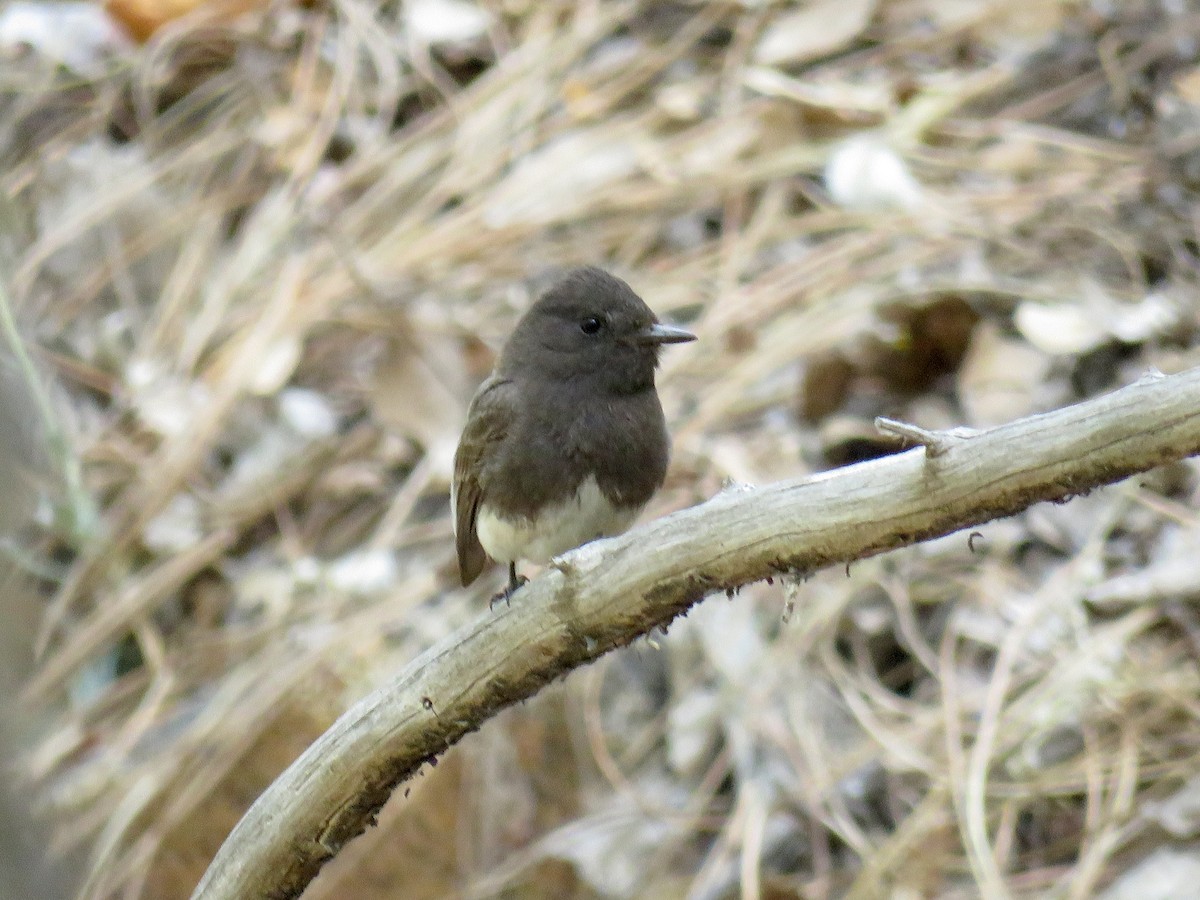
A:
566	441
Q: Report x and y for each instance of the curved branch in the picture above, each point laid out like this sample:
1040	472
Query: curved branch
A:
608	593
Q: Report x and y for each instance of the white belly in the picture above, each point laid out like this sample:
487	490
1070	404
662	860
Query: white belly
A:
586	516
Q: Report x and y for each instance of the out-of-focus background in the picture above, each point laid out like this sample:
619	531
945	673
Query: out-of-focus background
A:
254	259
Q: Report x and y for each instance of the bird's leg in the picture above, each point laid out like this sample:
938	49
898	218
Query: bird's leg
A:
514	582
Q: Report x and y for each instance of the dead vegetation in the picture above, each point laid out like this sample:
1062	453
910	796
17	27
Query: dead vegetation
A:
265	261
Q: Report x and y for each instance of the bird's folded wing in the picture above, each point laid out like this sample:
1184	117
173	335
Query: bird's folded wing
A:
488	421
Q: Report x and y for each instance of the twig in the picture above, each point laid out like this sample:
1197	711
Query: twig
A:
935	442
611	592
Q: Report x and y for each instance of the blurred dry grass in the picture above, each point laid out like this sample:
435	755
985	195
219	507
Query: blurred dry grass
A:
268	260
25	870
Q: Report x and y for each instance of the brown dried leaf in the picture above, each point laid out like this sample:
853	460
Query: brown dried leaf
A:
144	17
1000	377
419	390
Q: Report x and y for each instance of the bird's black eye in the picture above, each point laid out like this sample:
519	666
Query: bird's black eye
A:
590	325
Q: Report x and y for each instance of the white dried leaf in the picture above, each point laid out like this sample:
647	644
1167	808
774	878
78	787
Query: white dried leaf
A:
307	413
1155	316
1169	873
1059	328
72	184
307	570
873	617
441	458
687	231
1173	573
1178	814
816	29
437	23
731	639
611	848
364	572
263	589
175	529
693	727
262	460
864	173
719	150
79	36
164	402
276	365
557	180
1084	323
683	101
843	97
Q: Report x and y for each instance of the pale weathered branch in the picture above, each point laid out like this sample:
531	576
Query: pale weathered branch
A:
610	592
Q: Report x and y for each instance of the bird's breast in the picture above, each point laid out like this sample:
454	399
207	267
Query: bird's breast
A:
624	441
555	528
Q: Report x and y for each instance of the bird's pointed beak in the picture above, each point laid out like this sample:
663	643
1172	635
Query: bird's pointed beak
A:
658	333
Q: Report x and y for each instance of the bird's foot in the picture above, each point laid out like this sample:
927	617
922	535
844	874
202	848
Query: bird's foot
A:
514	583
506	594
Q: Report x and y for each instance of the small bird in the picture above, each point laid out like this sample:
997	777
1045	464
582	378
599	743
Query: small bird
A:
566	441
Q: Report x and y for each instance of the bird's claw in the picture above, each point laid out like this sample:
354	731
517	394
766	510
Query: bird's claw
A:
506	594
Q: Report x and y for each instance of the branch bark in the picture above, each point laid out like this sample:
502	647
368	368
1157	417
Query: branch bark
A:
608	593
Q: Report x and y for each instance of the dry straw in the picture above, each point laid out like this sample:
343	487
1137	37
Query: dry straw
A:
268	260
